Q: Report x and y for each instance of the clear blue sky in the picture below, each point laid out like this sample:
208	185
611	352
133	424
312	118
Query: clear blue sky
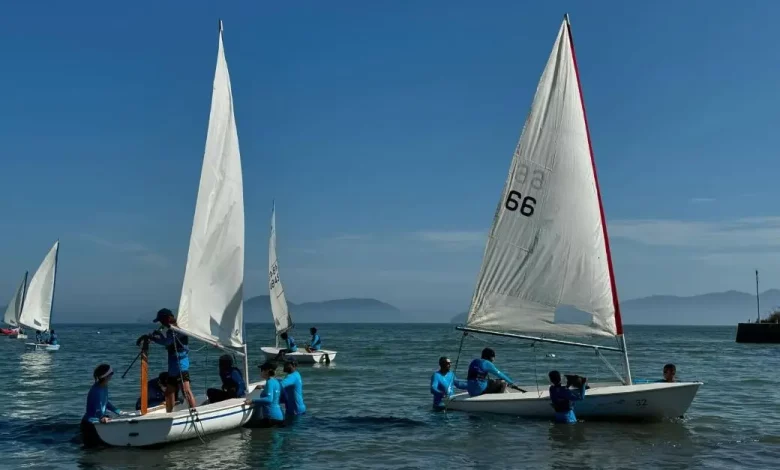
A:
384	130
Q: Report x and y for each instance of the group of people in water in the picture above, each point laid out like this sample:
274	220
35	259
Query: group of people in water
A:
478	382
164	389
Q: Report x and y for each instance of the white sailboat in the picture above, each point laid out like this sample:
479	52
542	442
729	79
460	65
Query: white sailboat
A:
281	313
39	299
14	310
548	247
211	304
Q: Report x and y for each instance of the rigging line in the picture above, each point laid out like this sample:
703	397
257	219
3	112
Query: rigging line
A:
614	371
463	338
188	394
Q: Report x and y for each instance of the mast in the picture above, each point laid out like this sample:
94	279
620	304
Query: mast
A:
24	295
613	285
54	283
758	301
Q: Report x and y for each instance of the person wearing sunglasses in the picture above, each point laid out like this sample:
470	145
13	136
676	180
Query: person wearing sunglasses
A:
444	382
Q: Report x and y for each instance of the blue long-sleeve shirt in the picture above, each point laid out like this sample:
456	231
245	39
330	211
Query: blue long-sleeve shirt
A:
233	380
562	398
316	342
442	386
178	351
292	387
291	344
53	339
478	376
97	404
269	400
155	395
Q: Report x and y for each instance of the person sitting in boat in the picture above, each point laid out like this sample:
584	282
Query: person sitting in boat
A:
269	397
38	337
155	392
292	390
290	343
443	383
670	370
97	405
478	381
562	397
233	384
53	340
178	359
316	342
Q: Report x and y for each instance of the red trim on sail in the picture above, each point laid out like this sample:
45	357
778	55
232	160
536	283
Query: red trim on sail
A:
616	303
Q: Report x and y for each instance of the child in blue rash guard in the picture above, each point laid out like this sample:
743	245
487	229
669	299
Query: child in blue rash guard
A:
269	397
562	398
442	383
97	405
478	381
292	390
291	346
177	346
155	391
316	342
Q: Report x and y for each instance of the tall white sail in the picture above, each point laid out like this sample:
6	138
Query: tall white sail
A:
279	309
14	308
38	301
211	305
547	246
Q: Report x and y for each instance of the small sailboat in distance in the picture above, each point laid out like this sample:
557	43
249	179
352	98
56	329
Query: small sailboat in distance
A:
549	247
14	310
39	299
281	312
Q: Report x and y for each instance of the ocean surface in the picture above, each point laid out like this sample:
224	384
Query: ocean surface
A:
371	408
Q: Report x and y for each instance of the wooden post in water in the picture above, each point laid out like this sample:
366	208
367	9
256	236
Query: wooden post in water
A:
758	301
144	376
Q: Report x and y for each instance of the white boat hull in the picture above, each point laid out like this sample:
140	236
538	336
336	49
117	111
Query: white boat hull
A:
157	427
653	401
43	346
17	336
303	357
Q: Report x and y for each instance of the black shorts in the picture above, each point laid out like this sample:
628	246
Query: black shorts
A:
89	435
270	423
175	379
495	386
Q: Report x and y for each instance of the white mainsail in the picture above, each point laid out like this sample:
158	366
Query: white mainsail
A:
14	308
38	301
279	308
547	246
211	305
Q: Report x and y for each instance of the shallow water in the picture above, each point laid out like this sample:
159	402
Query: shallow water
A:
371	407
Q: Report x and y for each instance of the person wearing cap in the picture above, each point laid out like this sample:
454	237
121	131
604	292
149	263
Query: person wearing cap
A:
292	390
562	398
155	391
478	381
178	359
269	397
443	383
97	405
233	385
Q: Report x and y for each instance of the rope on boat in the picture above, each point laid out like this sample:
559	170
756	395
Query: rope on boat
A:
201	433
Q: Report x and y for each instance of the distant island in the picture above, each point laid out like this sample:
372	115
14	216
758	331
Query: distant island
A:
718	308
258	310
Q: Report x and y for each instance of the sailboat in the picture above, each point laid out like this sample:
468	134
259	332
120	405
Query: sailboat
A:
39	299
281	313
548	247
211	303
14	310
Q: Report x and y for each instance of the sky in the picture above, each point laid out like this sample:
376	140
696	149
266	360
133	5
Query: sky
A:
384	132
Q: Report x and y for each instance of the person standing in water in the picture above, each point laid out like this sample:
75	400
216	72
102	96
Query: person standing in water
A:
292	390
178	359
478	381
562	397
97	405
289	341
443	383
316	342
233	384
269	397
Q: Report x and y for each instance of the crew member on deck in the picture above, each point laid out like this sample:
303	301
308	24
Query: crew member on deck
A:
290	343
316	342
478	381
155	392
292	390
269	397
97	404
53	340
443	382
233	384
562	397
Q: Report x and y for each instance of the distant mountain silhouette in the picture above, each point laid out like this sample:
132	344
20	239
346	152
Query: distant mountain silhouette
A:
717	308
258	310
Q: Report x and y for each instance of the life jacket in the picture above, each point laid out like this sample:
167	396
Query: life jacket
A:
560	400
476	371
228	384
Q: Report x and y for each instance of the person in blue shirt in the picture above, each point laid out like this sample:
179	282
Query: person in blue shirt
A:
479	369
233	384
289	341
178	359
292	390
53	338
155	391
97	406
269	397
562	397
316	342
443	383
38	337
